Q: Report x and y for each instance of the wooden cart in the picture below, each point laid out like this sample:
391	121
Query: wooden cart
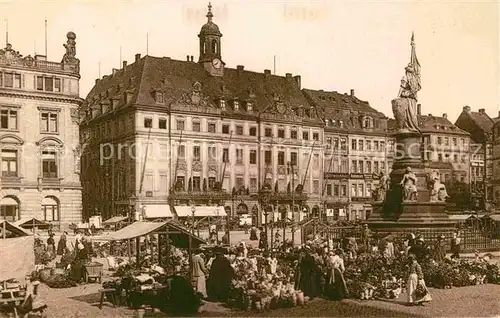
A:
93	271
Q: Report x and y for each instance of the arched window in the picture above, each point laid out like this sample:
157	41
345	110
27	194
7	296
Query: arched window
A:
204	47
214	46
9	209
50	209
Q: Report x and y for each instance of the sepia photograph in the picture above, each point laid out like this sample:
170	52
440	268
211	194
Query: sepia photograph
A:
308	158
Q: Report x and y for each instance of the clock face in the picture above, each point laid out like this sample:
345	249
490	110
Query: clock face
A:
217	63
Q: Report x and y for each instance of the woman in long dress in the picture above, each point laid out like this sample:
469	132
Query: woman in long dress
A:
416	290
335	285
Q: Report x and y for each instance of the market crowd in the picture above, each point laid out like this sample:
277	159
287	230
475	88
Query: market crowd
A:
263	277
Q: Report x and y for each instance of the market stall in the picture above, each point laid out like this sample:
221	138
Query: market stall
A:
116	223
32	224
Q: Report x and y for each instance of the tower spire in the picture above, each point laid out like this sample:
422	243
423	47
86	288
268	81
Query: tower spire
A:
210	15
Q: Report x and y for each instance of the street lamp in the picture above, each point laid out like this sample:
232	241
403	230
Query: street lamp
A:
193	210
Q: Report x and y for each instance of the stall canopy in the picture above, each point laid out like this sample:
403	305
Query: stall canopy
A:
157	211
200	211
30	223
12	230
114	220
18	249
494	217
177	233
459	217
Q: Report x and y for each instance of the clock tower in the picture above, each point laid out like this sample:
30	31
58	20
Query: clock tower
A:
210	46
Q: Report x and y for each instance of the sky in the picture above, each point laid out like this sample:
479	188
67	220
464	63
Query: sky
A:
334	45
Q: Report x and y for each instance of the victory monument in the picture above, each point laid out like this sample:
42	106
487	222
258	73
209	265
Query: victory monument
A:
411	198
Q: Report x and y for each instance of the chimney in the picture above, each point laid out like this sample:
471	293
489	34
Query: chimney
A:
267	72
137	57
467	109
97	80
352	93
499	114
240	69
430	115
288	75
192	58
419	109
187	58
297	80
445	116
114	71
482	110
124	64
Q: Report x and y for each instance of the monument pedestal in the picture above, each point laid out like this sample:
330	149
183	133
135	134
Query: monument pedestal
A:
395	214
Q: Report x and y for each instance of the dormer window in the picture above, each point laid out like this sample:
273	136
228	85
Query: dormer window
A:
236	105
222	104
158	97
249	106
341	124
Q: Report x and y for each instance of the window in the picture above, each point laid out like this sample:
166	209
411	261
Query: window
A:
240	183
225	129
455	158
239	156
223	104
343	190
440	157
9	163
181	151
159	97
268	157
305	135
253	131
49	165
293	158
368	167
236	105
249	106
211	127
225	155
268	132
316	186
343	144
196	153
211	182
162	123
368	190
360	145
196	126
360	167
48	122
239	130
328	142
253	184
446	141
354	166
212	154
328	189
48	84
375	145
343	166
50	212
281	133
375	167
316	136
354	144
10	80
196	183
8	119
336	190
253	157
454	140
181	182
439	141
281	158
293	134
382	146
354	190
361	190
148	122
180	124
368	145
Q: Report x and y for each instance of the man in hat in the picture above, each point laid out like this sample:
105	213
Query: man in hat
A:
418	249
439	252
198	272
455	246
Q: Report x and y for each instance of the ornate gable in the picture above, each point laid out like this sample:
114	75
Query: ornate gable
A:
195	97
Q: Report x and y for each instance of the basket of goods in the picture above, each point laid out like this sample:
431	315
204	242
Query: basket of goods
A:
93	270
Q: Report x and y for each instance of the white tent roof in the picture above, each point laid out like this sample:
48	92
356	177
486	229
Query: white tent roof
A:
200	211
156	211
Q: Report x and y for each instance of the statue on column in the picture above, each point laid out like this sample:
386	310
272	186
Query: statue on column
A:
404	106
409	185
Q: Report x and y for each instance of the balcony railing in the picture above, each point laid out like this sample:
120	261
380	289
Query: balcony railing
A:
200	195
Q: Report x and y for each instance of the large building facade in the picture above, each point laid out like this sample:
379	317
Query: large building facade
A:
167	133
39	137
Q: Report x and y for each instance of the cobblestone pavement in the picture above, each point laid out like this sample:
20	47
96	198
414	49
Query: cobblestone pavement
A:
471	301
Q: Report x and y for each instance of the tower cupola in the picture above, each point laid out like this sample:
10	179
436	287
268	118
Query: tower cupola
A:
210	39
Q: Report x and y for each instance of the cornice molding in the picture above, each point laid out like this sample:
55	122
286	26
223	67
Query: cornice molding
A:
27	95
